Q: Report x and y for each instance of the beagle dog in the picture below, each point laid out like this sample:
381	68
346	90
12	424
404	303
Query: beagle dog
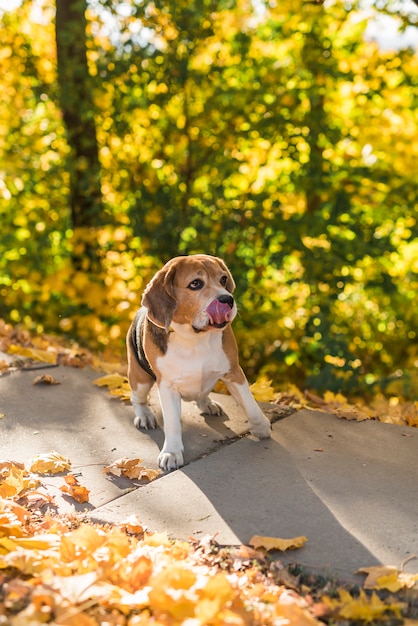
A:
181	338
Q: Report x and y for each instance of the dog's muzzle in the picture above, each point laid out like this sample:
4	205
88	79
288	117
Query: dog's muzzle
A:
220	311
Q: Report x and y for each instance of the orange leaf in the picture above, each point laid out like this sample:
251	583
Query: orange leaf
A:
274	543
46	379
131	468
74	489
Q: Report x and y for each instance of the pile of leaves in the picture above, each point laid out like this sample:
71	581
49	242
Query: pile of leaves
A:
69	571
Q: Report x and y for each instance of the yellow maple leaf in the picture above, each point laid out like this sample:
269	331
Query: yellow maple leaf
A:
335	398
362	607
38	542
45	356
168	592
275	543
111	381
117	385
263	390
213	598
387	577
12	479
50	463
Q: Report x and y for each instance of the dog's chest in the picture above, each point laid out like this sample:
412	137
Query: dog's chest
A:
193	366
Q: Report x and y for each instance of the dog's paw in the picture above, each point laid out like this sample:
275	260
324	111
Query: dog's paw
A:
209	407
261	429
169	461
144	417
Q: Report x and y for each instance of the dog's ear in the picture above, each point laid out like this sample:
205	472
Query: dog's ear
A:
230	284
159	298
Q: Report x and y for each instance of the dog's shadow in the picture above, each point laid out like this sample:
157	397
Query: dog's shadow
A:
219	424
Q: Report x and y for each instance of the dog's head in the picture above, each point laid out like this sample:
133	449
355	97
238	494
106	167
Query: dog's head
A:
191	290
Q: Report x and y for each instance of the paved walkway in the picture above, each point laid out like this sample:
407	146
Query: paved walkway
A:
350	487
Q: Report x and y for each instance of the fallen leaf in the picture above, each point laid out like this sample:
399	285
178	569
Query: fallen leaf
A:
74	489
117	385
275	543
178	605
290	610
157	539
50	463
213	598
112	381
387	577
263	390
45	379
13	479
36	542
361	607
34	499
12	518
131	468
45	356
9	464
292	397
132	525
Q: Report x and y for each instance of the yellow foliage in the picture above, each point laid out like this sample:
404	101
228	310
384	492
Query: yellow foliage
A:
387	577
94	574
32	353
362	607
118	385
50	463
263	390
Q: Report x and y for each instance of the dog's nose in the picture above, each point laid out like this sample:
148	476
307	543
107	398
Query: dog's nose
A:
226	299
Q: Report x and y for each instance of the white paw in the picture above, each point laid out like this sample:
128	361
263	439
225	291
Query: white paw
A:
144	417
261	429
209	407
169	461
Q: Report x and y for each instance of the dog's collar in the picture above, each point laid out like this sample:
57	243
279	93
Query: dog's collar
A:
170	330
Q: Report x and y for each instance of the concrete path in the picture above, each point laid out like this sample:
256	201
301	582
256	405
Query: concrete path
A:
350	487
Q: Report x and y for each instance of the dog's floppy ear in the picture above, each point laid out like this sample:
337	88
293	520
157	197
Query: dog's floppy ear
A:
230	284
159	298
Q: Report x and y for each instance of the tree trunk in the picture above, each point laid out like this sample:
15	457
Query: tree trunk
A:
76	99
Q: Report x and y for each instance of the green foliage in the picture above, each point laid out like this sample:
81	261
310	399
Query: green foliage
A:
275	137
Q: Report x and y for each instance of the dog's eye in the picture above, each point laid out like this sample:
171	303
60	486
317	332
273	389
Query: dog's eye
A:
196	284
224	280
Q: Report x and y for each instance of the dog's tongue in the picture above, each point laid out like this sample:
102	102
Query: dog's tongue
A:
219	312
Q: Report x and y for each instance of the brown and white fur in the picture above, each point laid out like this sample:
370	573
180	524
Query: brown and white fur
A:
182	339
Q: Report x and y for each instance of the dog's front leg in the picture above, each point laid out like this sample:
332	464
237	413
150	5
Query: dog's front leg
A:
239	389
171	456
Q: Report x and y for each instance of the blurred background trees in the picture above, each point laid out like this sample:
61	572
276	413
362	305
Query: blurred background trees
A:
275	135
